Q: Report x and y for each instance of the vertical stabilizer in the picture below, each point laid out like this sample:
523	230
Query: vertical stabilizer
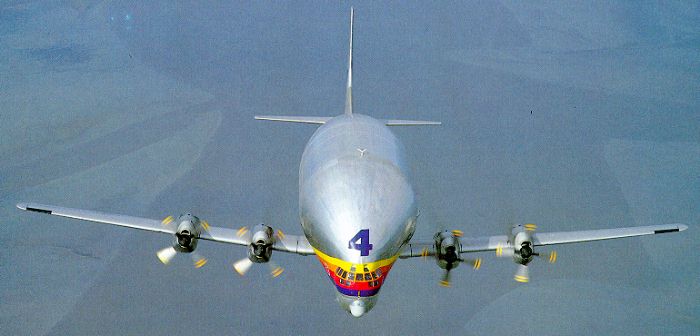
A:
348	89
348	101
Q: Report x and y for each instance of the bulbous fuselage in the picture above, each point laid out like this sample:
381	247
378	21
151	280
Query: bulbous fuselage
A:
357	204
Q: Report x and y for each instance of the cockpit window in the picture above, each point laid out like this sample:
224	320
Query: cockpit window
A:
374	275
351	276
359	277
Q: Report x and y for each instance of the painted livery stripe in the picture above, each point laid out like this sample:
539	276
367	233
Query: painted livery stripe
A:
355	292
360	288
346	264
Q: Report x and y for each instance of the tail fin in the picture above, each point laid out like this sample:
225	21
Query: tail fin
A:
348	89
348	101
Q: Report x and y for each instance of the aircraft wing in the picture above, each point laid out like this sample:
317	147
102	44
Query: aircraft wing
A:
98	217
481	244
286	243
568	237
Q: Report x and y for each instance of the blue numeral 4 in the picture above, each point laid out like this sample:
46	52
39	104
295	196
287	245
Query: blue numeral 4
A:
364	246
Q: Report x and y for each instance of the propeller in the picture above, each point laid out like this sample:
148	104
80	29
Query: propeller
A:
257	252
198	260
275	270
242	266
525	253
166	255
187	240
447	253
445	280
522	274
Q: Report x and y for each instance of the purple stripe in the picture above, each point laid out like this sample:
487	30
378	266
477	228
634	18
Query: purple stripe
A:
355	292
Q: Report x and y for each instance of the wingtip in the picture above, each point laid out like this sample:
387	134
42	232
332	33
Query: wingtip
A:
22	206
682	227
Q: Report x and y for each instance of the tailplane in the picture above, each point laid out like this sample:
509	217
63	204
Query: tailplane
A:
323	120
348	101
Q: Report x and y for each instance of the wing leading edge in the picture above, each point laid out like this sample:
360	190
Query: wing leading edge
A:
569	237
482	244
288	243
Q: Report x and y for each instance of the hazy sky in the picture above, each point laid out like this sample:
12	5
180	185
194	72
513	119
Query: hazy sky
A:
571	115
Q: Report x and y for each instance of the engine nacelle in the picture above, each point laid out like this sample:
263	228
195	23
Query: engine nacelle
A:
521	236
187	233
260	249
447	249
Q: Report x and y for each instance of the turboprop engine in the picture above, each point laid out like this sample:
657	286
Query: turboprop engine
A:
259	249
447	254
522	244
521	249
447	250
187	233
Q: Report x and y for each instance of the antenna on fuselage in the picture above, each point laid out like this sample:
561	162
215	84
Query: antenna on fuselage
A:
348	89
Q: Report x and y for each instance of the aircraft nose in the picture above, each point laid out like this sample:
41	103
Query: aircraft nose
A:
356	306
357	309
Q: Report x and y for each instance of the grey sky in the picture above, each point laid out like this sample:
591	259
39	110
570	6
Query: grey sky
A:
572	115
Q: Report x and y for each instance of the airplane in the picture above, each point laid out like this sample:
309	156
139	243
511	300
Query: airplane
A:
358	213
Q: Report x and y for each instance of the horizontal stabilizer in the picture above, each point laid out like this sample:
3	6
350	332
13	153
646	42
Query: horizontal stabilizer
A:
399	122
295	119
323	120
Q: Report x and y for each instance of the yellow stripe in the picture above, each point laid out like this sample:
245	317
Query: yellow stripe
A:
167	220
530	227
346	265
280	234
205	225
520	278
199	263
242	231
277	271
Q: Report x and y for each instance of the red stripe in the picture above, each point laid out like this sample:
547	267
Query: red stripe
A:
363	285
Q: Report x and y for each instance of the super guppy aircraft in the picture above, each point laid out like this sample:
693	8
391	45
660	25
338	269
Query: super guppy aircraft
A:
358	213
